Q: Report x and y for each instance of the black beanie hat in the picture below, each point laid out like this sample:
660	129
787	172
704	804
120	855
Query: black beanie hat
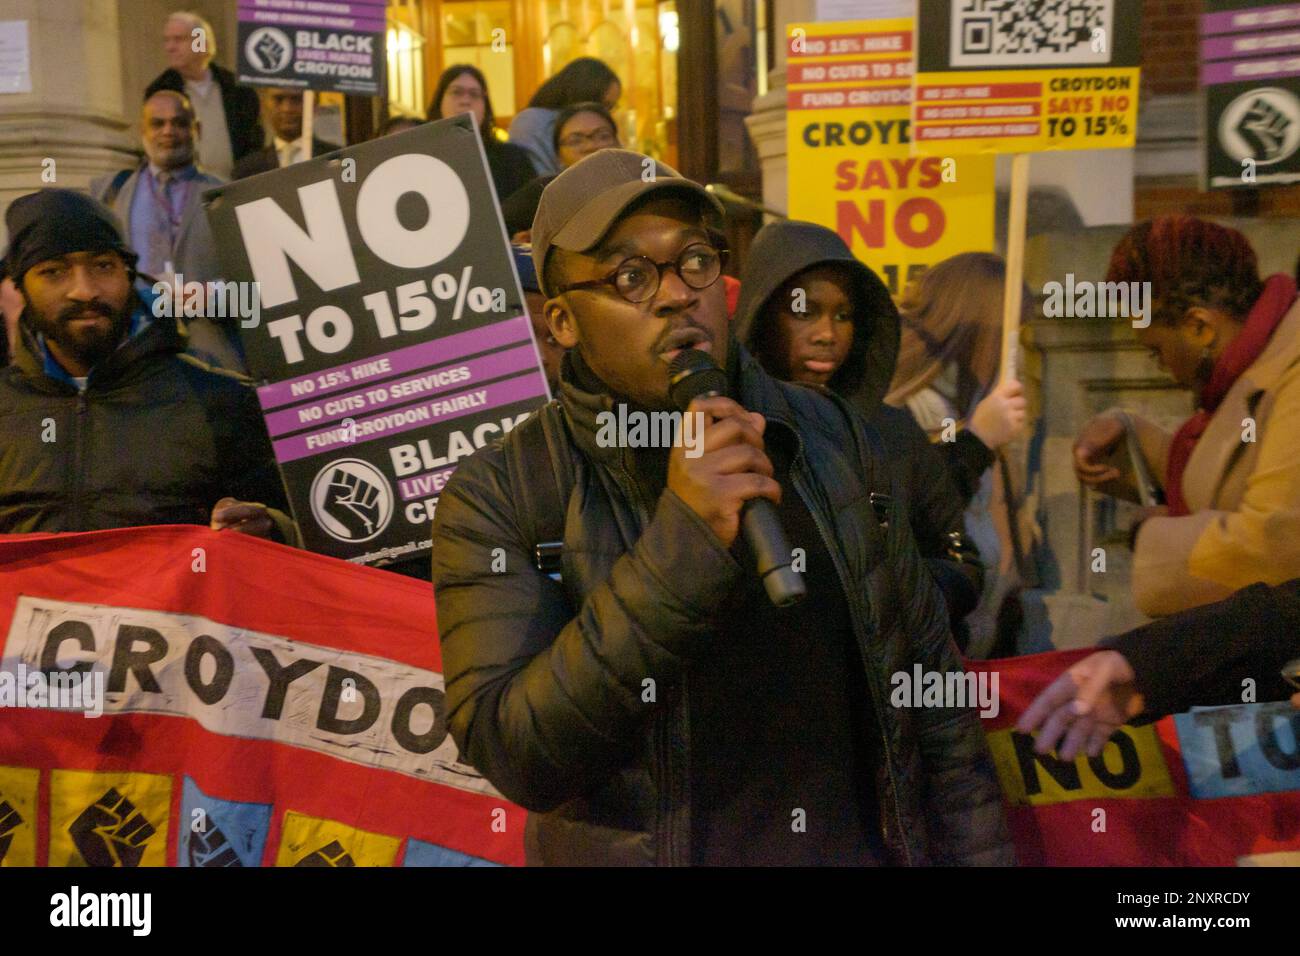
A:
55	222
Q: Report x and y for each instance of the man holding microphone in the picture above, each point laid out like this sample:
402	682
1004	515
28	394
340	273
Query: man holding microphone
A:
653	706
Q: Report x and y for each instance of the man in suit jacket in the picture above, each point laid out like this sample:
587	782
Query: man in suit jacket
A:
230	114
287	148
160	205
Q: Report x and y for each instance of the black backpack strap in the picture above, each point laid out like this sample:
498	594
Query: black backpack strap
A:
115	187
871	456
542	446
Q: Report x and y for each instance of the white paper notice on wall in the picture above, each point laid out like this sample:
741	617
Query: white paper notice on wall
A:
864	9
15	62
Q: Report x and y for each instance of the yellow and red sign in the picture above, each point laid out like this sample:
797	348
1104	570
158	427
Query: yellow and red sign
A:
849	153
1018	112
1002	79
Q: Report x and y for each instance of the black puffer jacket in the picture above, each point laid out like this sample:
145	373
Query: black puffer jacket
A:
933	505
156	438
545	683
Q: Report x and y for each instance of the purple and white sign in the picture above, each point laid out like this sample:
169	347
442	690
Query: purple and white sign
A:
331	45
394	340
1250	79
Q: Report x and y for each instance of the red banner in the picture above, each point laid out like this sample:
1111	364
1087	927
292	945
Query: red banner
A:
267	706
1217	787
261	706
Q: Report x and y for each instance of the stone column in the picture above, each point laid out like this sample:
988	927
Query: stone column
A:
767	122
73	126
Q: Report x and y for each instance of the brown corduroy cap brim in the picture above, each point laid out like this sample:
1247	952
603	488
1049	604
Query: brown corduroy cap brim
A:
581	204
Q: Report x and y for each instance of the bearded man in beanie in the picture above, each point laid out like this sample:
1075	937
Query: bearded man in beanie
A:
653	706
105	423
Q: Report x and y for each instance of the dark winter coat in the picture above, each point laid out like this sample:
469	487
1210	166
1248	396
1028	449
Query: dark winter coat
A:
157	437
545	681
1202	656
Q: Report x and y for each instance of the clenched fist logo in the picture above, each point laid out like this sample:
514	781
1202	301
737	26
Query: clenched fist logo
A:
351	500
1262	125
111	832
331	854
9	821
210	848
354	502
268	49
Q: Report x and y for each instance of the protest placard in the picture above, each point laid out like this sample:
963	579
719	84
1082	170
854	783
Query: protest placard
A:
1250	86
995	77
849	95
323	45
393	339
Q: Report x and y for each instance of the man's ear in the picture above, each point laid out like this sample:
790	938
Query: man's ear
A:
561	321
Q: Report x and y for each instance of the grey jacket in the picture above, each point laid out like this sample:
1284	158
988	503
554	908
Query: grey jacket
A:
194	256
195	252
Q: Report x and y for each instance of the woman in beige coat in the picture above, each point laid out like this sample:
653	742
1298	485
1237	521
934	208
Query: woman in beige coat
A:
1231	473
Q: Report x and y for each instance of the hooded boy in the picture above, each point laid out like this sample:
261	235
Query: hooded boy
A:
812	313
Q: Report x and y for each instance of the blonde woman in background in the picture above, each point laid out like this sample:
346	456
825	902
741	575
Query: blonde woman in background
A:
946	377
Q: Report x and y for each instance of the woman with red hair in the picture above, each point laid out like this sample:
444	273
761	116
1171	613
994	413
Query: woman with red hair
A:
1231	473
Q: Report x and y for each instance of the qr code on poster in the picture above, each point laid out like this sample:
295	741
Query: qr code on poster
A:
1031	32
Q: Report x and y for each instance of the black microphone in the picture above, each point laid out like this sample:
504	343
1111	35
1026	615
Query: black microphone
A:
694	374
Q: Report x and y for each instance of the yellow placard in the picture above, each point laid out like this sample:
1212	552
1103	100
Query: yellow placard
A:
18	794
849	153
109	819
312	841
1130	765
1024	111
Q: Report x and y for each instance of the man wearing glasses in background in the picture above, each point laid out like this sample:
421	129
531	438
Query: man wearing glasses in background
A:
652	706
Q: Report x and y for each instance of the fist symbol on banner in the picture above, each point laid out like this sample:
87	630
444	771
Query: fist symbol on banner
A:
353	501
211	849
331	854
111	832
9	821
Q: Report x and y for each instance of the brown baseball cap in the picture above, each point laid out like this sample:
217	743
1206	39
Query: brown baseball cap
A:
581	205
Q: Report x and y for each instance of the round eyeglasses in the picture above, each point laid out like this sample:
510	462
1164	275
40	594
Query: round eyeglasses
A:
637	279
600	137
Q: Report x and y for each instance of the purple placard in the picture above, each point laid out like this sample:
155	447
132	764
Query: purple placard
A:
311	21
517	389
495	365
1239	71
1254	18
449	348
424	486
1250	45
